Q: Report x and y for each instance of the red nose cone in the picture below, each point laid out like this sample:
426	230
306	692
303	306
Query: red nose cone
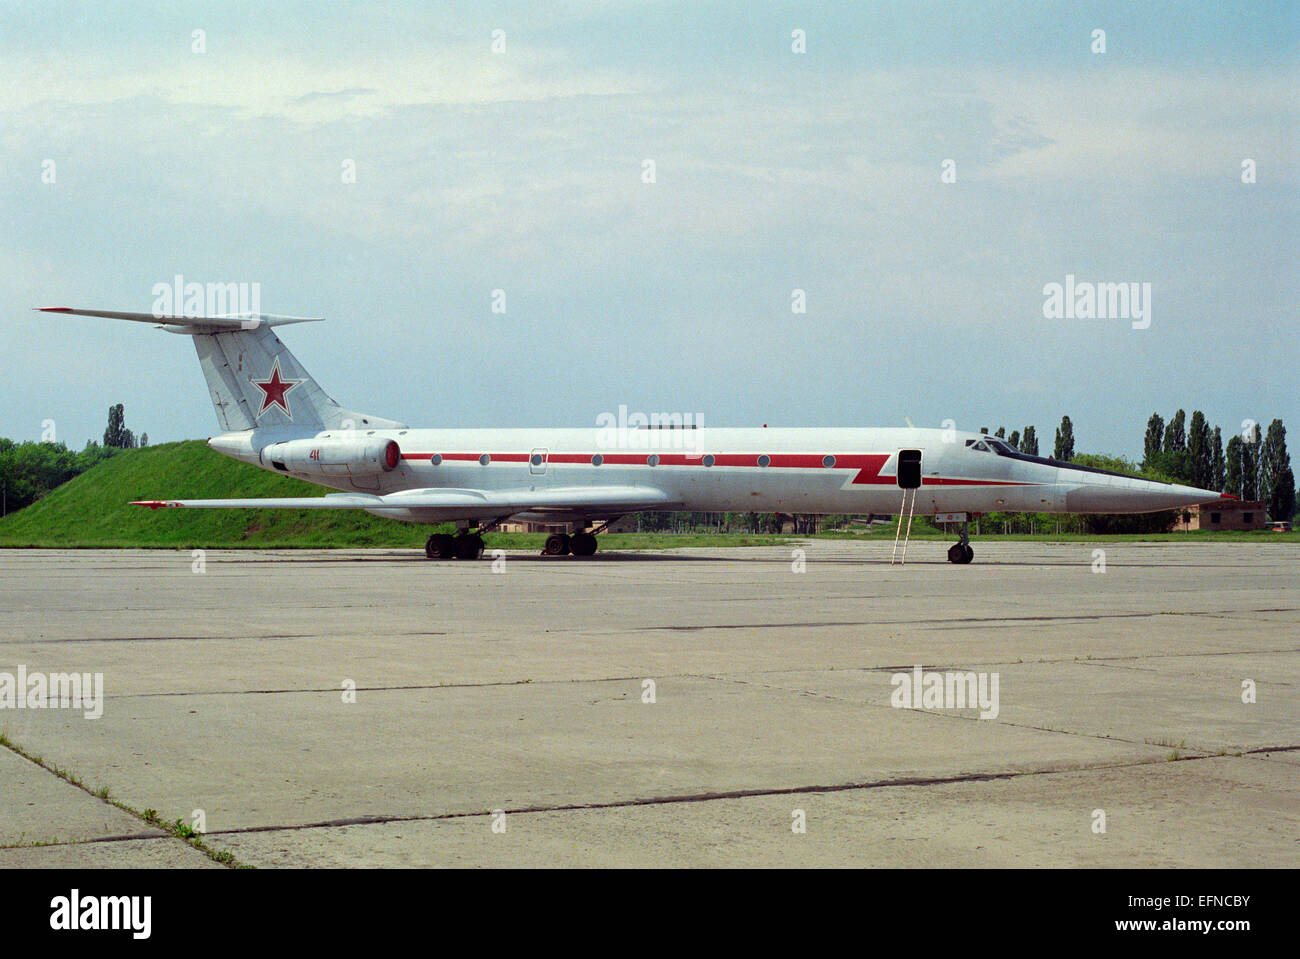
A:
391	455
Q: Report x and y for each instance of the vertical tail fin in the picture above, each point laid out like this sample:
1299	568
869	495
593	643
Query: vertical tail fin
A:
254	381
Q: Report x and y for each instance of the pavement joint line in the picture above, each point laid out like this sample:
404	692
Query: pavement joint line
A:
1103	661
126	837
1139	669
165	830
720	796
1201	752
188	639
964	622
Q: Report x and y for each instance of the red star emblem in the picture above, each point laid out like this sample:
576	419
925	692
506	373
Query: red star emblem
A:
274	389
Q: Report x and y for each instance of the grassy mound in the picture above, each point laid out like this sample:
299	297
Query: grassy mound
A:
93	509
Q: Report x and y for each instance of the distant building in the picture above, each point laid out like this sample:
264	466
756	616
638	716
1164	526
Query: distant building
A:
1221	514
516	527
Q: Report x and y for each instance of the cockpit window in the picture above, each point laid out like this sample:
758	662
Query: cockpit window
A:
989	444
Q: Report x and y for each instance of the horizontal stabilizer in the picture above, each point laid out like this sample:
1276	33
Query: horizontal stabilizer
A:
226	321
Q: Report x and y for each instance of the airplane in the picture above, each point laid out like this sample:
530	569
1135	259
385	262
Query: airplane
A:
274	415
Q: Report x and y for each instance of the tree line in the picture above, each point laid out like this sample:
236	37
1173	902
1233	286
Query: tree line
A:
29	469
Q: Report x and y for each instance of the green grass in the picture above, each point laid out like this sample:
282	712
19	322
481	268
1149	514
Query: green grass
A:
93	510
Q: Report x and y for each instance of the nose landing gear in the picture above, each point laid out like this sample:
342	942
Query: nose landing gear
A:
960	552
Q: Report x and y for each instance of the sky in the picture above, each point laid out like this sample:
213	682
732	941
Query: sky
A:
922	172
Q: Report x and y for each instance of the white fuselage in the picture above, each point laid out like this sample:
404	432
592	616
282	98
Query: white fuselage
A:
851	471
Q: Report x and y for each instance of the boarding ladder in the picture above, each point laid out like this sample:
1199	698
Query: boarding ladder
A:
908	507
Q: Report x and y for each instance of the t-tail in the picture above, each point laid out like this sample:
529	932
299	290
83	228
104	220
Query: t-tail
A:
254	382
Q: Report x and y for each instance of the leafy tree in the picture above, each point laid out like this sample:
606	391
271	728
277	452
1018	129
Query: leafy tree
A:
1250	449
113	433
1232	466
1064	441
1286	495
117	435
30	470
1217	466
1014	439
1199	457
1154	438
1001	433
1170	457
1176	434
1029	442
1276	481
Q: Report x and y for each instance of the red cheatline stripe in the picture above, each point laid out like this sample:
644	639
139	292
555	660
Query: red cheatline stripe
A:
868	465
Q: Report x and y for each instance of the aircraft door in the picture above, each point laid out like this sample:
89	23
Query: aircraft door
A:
537	461
909	469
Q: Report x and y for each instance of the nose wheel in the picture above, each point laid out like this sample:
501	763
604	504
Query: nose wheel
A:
960	552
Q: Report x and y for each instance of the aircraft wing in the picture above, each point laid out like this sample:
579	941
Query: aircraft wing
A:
455	502
333	501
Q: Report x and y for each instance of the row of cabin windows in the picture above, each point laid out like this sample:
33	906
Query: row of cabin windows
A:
597	459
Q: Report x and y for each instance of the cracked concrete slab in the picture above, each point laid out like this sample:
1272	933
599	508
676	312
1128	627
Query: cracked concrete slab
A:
479	691
37	806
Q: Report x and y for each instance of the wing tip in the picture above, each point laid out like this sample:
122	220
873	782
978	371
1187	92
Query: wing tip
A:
151	503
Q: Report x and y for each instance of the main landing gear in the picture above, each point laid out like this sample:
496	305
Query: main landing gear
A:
960	552
579	543
466	544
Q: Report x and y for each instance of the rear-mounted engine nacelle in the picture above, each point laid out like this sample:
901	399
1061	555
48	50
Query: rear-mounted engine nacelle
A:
333	457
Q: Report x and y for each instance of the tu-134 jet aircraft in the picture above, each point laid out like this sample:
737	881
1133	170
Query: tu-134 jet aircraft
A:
274	415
